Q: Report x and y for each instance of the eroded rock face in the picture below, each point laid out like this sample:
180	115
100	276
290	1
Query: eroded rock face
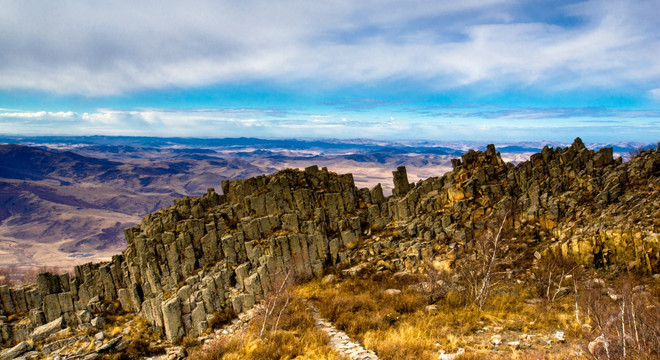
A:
202	255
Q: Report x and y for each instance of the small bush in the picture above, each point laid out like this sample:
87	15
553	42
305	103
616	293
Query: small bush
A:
222	317
626	319
138	349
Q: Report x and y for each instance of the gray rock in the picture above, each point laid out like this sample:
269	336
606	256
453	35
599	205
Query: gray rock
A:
392	292
172	319
377	194
16	351
51	307
401	184
253	284
7	303
98	322
66	302
18	298
37	317
110	344
84	316
199	322
47	330
242	272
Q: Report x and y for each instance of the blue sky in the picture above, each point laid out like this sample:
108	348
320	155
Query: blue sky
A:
488	70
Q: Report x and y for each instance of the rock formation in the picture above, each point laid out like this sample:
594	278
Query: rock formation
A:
205	254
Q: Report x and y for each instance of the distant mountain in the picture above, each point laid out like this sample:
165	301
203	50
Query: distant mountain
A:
29	163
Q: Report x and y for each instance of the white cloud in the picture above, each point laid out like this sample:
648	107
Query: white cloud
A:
37	114
114	47
512	124
655	93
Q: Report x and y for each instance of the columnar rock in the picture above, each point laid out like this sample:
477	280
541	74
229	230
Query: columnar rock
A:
401	184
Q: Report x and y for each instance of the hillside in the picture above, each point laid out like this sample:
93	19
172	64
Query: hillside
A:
502	247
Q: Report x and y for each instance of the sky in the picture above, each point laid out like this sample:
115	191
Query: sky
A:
487	70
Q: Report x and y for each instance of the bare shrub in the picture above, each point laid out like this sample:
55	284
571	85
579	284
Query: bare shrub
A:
554	276
483	269
626	318
276	302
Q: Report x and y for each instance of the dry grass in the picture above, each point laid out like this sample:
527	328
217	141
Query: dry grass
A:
290	332
143	341
400	326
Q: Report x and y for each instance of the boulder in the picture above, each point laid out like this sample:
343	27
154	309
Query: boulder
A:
172	319
51	307
16	351
47	330
401	184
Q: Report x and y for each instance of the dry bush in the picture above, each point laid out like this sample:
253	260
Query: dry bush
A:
220	348
222	317
484	268
139	349
553	277
626	320
435	282
143	341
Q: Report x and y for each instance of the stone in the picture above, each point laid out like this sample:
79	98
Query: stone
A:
84	316
401	184
253	284
172	323
16	351
98	322
392	292
37	317
496	340
66	302
18	298
48	329
377	194
109	345
199	321
356	270
129	299
7	303
328	279
451	356
51	307
242	302
242	272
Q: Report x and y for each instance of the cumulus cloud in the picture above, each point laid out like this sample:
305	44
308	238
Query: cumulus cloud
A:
101	48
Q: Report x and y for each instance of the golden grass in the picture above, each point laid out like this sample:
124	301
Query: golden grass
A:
399	326
291	335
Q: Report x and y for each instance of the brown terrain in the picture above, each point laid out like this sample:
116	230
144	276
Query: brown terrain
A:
556	257
64	205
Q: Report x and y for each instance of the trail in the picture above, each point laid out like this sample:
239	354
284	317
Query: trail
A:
341	342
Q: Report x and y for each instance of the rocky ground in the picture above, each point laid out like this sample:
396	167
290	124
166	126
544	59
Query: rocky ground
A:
484	244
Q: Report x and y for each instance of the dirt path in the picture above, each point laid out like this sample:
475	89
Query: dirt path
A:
341	342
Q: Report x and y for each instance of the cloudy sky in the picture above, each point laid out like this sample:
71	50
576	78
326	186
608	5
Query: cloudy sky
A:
482	70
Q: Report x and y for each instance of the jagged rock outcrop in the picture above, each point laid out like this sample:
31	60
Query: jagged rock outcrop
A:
202	255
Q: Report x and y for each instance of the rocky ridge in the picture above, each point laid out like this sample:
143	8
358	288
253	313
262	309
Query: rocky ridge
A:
202	255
